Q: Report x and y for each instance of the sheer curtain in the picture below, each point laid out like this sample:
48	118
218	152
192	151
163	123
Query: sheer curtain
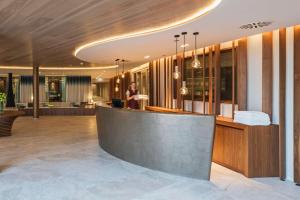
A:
78	89
26	89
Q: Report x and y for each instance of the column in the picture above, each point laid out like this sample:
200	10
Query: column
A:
36	83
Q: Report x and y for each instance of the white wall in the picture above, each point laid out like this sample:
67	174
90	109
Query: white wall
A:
254	90
275	116
290	104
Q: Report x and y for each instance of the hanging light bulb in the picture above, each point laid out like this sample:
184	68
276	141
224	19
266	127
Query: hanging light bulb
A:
184	90
117	71
118	80
123	72
196	63
176	74
117	88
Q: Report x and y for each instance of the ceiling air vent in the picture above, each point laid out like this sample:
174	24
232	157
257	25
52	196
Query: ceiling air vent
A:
256	25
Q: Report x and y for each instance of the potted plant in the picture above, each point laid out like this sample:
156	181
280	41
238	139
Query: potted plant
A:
2	101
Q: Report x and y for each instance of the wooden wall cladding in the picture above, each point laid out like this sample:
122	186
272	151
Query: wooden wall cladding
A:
233	78
282	94
123	87
217	86
151	84
267	73
296	104
242	74
210	81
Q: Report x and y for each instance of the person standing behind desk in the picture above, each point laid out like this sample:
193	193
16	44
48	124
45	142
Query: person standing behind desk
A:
131	94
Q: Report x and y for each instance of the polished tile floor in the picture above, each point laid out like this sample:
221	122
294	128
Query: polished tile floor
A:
59	158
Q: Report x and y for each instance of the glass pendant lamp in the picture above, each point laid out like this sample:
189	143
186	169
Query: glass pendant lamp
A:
196	63
123	72
176	74
117	88
117	71
184	90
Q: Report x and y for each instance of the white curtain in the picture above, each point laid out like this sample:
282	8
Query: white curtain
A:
78	89
26	93
26	89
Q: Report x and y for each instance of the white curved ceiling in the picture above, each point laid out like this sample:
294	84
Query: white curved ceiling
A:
220	25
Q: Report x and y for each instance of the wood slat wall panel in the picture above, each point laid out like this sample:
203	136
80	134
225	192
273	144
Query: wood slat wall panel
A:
242	74
267	73
217	86
203	79
233	78
210	81
296	104
151	84
282	103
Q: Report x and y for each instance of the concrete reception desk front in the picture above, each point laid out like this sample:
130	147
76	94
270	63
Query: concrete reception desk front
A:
179	144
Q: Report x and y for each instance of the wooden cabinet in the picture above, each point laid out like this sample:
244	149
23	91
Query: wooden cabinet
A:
250	150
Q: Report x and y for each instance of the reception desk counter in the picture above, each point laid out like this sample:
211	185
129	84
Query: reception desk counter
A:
250	150
175	143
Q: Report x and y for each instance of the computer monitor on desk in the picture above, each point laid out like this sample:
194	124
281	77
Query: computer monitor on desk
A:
117	103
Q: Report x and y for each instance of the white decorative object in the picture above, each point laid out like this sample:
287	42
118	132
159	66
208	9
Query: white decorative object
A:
252	118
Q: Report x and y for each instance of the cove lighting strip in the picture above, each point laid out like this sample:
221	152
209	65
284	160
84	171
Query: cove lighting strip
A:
60	68
191	18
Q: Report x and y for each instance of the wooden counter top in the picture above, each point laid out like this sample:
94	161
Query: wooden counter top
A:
219	120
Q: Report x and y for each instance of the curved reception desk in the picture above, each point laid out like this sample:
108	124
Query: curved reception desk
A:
179	144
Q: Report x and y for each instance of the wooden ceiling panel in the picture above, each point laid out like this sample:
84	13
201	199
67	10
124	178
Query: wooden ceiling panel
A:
48	31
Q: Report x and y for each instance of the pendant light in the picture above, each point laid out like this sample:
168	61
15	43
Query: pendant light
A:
123	72
184	90
117	69
117	74
196	63
176	74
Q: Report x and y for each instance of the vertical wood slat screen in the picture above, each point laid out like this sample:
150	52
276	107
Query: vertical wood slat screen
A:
123	86
203	81
233	79
267	73
296	104
151	84
161	93
217	86
242	74
163	84
210	81
179	61
282	103
193	83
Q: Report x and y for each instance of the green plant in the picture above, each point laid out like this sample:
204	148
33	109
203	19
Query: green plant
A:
2	97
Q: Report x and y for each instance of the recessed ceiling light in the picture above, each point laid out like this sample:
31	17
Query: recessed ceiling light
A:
186	45
146	57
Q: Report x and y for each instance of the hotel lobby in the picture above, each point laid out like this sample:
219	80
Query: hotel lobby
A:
145	100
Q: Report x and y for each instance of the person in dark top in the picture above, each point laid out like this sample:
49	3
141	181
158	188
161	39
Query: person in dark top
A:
131	96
